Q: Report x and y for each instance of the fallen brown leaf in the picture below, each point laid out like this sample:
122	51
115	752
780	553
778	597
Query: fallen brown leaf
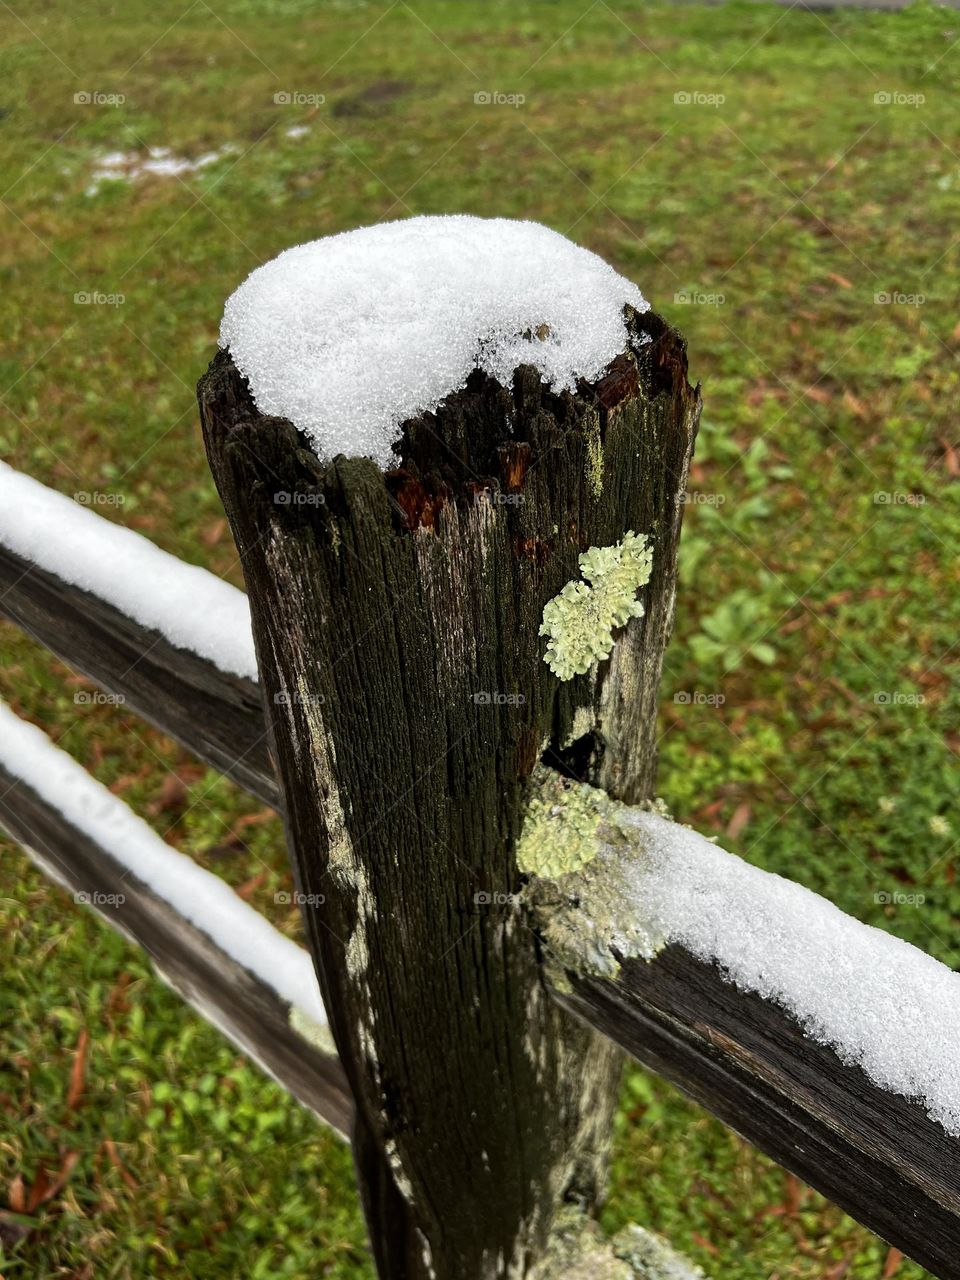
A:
127	780
249	886
892	1264
172	797
212	533
121	1168
117	1001
66	1168
796	1192
78	1070
837	1271
254	819
16	1196
741	816
38	1190
856	407
818	394
950	459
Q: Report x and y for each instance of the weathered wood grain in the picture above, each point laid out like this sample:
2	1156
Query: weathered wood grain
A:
217	717
745	1060
222	991
396	620
872	1152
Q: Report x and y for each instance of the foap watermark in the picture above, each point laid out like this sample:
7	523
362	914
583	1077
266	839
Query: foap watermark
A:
94	98
94	298
699	499
697	98
284	498
287	699
697	298
698	698
895	898
897	299
294	98
893	98
98	498
298	899
498	498
896	698
488	898
495	98
898	498
494	698
97	698
94	898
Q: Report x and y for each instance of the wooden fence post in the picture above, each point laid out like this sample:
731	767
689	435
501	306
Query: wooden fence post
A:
397	617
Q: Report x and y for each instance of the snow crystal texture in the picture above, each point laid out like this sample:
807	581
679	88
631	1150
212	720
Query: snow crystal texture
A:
192	608
199	896
879	1002
349	336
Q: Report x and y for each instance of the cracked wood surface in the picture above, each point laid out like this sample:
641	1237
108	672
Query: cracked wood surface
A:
396	619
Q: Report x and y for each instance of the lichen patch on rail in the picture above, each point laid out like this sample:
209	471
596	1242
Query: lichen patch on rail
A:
611	883
578	1250
581	864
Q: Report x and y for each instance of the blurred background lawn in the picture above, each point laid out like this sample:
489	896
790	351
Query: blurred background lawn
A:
769	177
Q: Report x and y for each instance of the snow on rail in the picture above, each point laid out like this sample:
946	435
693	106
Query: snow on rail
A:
350	335
611	882
877	1001
199	896
188	605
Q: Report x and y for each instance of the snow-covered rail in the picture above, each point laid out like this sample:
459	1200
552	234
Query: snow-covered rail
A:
742	1054
829	1044
171	639
744	1059
204	941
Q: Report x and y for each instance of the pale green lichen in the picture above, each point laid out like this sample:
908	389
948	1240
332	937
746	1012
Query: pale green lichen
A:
581	856
580	621
560	828
316	1033
578	1250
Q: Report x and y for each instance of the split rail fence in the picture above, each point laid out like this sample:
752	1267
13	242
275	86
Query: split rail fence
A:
875	1153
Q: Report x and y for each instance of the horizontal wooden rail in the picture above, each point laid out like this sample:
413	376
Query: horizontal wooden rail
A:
872	1152
216	716
226	993
745	1059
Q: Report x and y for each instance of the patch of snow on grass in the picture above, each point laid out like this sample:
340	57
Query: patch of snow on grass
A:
349	336
191	607
161	162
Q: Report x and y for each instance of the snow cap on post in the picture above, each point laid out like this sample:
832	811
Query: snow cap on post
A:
497	414
349	336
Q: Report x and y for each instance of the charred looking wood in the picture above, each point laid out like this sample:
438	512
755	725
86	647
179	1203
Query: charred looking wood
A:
873	1152
410	626
215	715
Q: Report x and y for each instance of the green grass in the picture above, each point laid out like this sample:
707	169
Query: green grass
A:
803	598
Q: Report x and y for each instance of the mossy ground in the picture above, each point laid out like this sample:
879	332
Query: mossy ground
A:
821	614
